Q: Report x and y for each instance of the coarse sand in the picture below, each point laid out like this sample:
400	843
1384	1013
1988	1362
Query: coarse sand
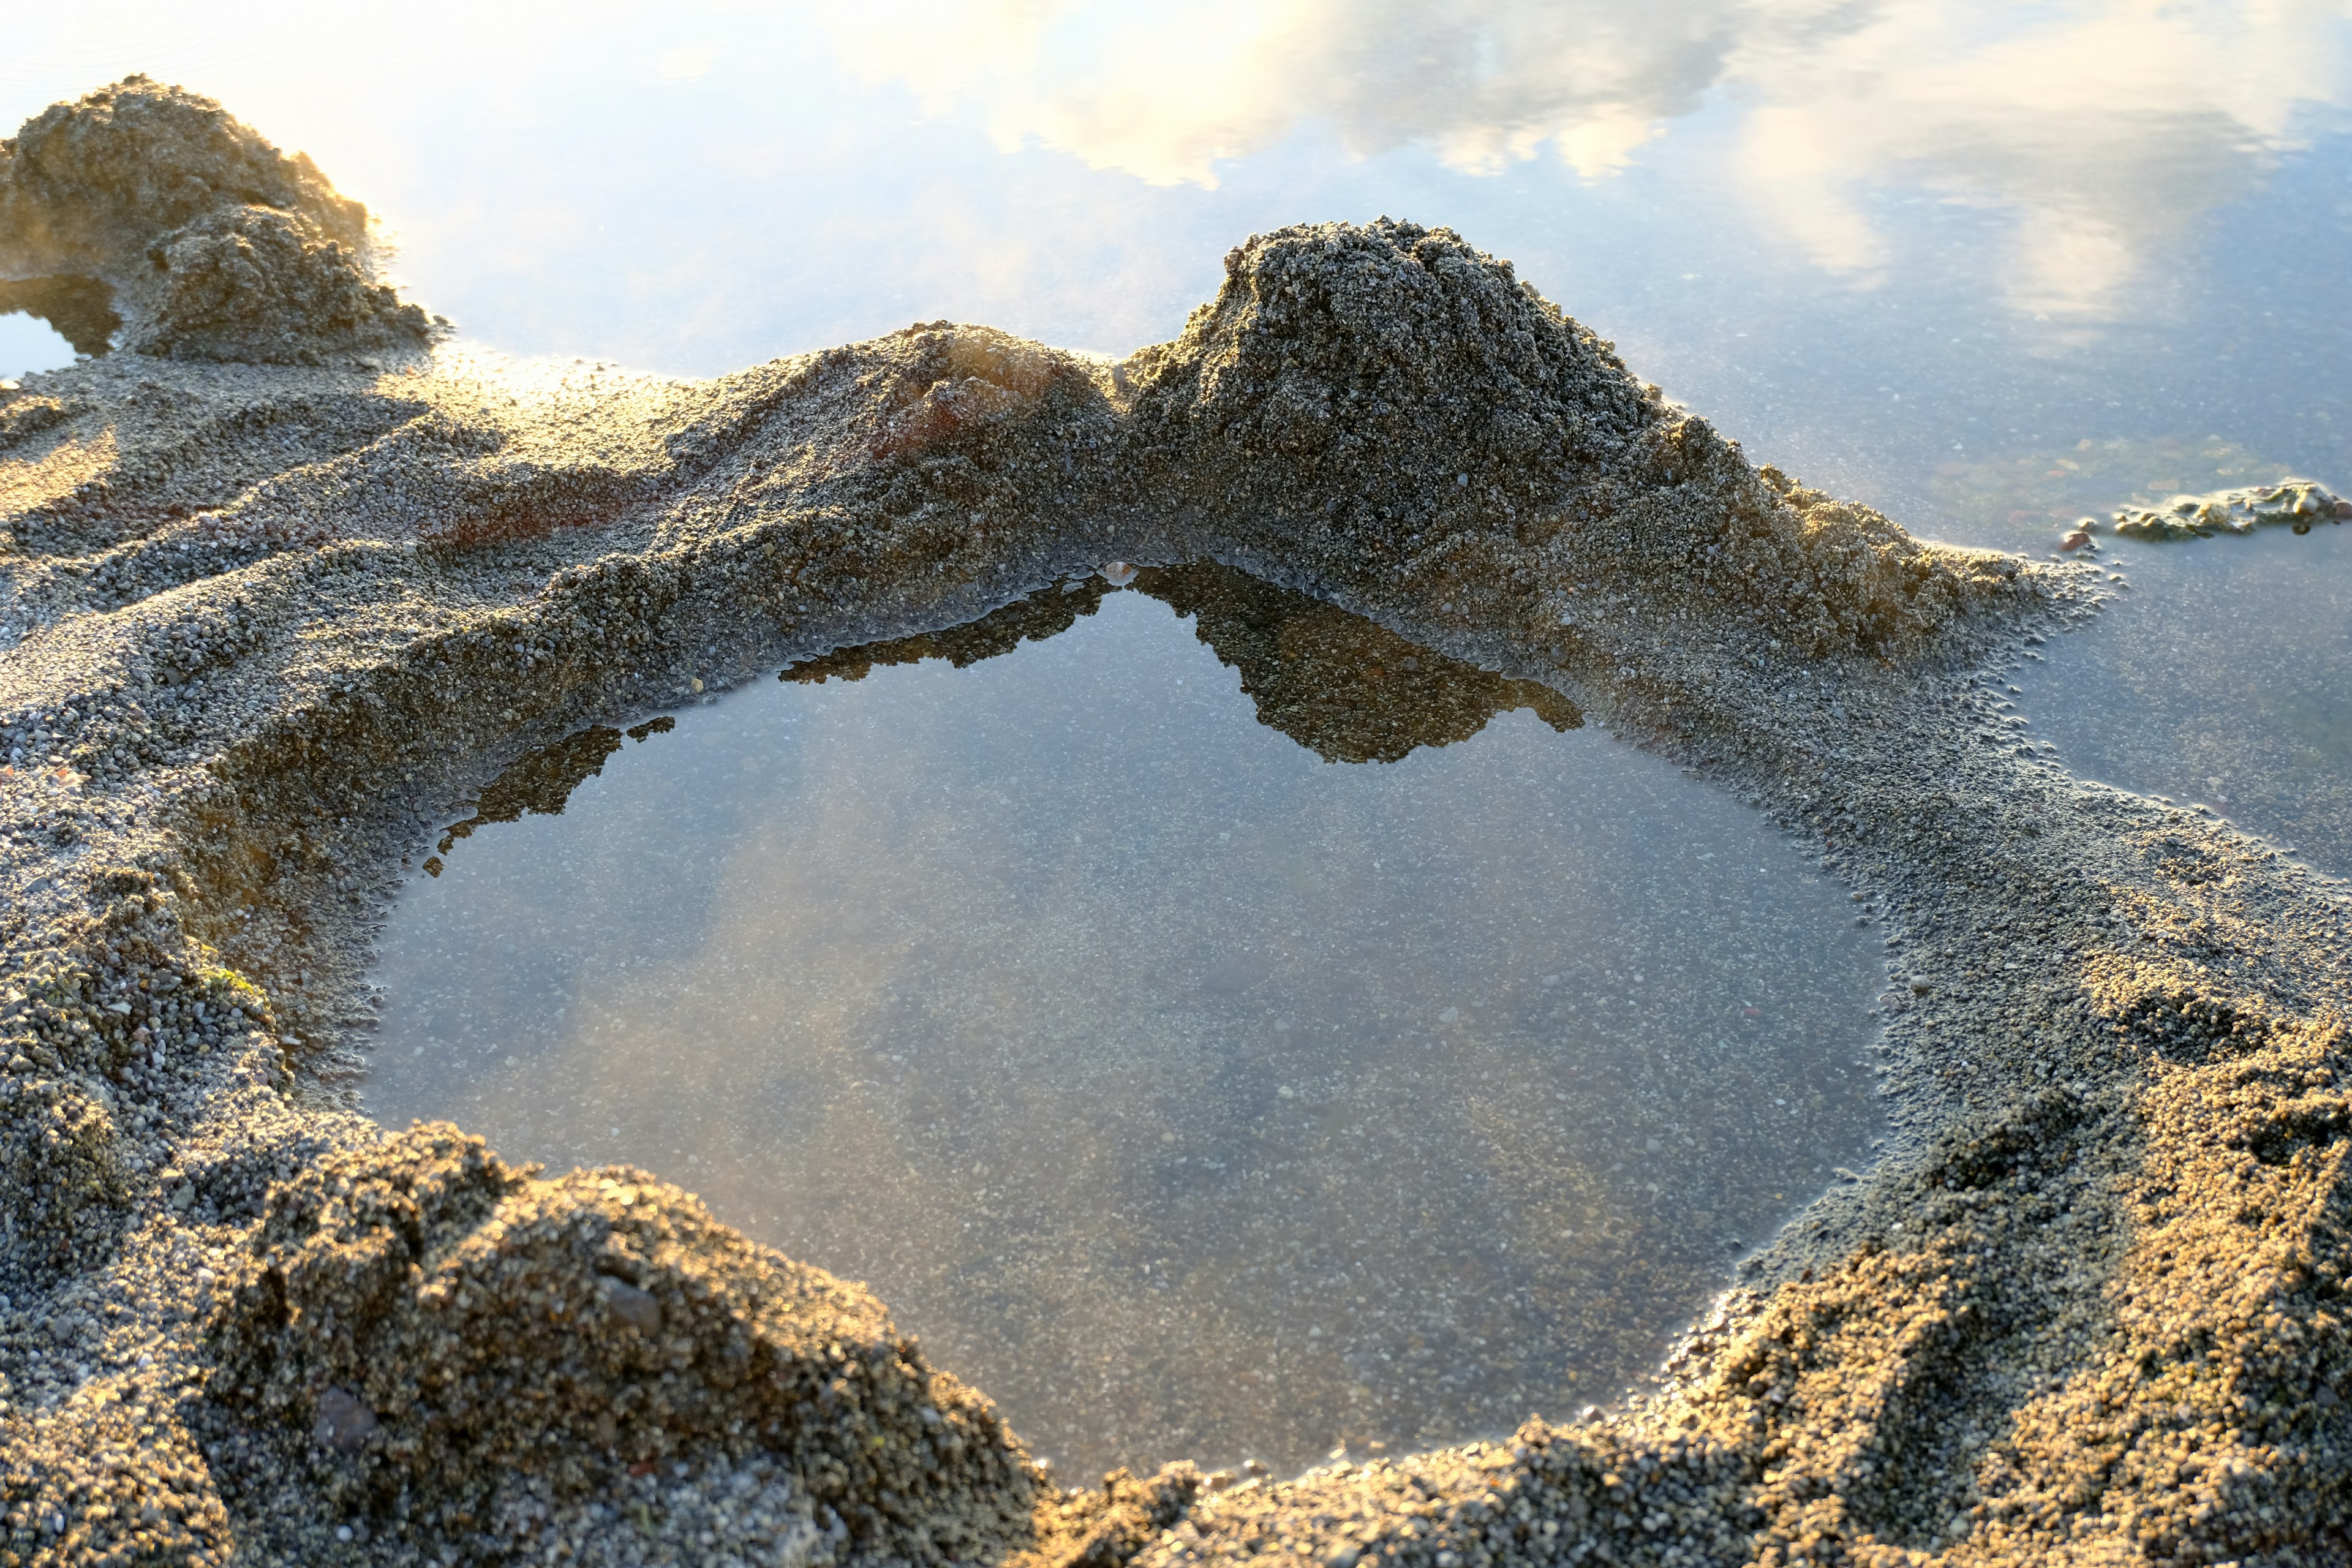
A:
286	578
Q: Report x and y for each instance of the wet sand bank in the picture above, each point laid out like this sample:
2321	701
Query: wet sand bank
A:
267	619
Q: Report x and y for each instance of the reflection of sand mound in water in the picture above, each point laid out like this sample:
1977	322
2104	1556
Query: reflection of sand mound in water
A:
1048	613
216	244
1345	689
80	310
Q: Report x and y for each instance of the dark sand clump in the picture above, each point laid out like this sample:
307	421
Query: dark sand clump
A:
216	245
271	615
418	1325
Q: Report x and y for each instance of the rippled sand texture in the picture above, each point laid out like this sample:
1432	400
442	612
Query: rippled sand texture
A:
2089	1304
1198	1098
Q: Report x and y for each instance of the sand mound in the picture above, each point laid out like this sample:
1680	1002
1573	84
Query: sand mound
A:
428	1331
216	244
1388	407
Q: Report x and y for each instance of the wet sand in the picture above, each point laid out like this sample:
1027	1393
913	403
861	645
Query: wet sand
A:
283	592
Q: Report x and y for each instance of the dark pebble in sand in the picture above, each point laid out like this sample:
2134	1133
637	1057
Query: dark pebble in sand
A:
633	1307
343	1423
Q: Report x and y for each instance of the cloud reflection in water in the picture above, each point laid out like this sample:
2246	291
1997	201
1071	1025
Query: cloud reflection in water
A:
2100	131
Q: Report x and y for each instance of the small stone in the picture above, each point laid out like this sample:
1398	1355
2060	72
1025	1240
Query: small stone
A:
1921	984
633	1307
342	1423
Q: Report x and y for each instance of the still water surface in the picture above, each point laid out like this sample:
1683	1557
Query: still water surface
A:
1190	1087
2220	679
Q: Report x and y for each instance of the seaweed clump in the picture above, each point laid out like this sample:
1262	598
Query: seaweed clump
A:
2298	502
216	244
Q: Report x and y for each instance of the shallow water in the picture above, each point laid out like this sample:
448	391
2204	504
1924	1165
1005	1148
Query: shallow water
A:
2218	678
29	343
1189	1091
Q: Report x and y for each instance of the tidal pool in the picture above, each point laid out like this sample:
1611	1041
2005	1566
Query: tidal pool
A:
1215	1025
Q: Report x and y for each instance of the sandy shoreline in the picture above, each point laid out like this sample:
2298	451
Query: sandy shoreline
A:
274	619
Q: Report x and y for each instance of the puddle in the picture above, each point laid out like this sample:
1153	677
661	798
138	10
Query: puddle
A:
28	345
1187	1083
45	321
2223	677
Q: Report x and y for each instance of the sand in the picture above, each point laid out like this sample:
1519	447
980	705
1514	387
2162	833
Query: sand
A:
288	581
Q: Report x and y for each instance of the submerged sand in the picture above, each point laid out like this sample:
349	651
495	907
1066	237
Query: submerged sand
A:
287	586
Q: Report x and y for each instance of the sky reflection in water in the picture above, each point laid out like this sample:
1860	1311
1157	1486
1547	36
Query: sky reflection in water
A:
28	343
1188	1093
